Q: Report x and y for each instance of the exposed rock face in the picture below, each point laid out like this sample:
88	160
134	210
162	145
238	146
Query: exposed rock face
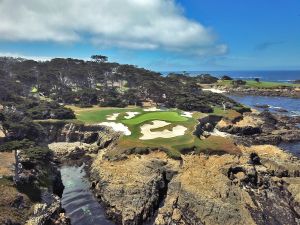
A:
260	187
262	128
132	189
50	213
71	132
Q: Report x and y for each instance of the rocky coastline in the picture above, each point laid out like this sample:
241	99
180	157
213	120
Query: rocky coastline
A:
274	92
259	185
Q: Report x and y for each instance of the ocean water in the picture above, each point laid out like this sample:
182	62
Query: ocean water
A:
276	76
292	105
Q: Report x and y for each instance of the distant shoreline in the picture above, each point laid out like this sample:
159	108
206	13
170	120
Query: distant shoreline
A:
264	75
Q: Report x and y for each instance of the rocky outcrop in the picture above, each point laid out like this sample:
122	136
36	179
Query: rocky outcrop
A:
261	186
132	189
48	213
262	128
61	131
283	92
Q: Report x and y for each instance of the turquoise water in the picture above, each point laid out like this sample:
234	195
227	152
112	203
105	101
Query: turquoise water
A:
78	200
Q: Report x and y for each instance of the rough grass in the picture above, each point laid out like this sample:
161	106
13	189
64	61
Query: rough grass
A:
7	159
259	85
8	194
229	114
216	144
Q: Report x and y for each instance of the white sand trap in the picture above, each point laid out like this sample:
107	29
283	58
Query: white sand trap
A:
216	132
152	109
117	127
131	115
187	114
148	134
113	116
214	90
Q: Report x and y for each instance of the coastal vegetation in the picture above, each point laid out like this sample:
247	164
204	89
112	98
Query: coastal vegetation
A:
255	84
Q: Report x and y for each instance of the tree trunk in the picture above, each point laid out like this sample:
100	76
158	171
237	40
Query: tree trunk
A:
17	178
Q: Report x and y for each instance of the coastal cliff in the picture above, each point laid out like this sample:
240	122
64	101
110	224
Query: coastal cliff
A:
258	185
201	189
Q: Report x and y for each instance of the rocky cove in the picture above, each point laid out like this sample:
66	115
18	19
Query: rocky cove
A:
259	184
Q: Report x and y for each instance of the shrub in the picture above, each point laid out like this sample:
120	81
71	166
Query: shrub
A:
238	82
225	77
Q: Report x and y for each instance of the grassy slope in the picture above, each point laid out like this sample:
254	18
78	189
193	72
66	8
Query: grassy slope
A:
8	194
262	84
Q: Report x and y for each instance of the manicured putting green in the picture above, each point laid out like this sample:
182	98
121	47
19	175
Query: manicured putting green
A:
165	116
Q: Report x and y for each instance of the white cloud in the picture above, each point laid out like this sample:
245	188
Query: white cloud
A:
136	24
17	55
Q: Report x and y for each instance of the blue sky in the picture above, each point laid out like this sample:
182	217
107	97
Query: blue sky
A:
163	35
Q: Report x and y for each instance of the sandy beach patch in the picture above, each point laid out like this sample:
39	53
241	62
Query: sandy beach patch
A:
113	116
148	134
152	109
218	133
214	90
187	114
119	127
131	115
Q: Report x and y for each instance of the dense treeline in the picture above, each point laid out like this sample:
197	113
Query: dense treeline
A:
86	83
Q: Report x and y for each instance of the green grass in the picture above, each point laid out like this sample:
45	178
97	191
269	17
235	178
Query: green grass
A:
149	116
262	84
172	146
100	115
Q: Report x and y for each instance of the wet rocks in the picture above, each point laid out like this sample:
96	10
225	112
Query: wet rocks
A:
48	213
246	130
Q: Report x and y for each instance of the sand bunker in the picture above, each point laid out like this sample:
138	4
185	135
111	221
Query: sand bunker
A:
113	116
214	90
152	109
119	127
131	115
148	134
187	114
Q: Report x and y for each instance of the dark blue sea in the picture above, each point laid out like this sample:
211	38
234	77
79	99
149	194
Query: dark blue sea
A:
291	105
279	76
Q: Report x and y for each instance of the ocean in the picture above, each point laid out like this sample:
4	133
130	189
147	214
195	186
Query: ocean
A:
275	76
